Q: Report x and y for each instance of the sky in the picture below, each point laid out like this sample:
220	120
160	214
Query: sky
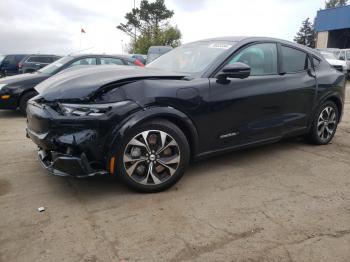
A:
53	26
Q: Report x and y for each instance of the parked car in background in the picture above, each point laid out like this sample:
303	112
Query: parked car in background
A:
15	91
200	99
32	63
344	55
331	58
9	64
156	51
141	58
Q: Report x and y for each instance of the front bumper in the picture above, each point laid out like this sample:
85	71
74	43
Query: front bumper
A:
75	146
64	151
66	165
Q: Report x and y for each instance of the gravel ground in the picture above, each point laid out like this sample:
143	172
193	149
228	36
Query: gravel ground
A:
289	201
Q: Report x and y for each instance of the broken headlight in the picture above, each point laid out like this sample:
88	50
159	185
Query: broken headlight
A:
84	110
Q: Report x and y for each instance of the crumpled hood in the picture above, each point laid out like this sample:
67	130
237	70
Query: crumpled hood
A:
80	83
23	79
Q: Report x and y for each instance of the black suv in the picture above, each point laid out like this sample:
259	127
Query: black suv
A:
144	125
32	63
9	64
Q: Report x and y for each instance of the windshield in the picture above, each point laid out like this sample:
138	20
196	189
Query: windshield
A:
191	58
328	55
49	69
1	58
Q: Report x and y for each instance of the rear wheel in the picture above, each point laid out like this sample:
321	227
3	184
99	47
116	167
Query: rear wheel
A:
24	99
154	156
324	124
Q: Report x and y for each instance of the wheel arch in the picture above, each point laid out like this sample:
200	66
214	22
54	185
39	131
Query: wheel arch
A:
24	92
170	114
338	103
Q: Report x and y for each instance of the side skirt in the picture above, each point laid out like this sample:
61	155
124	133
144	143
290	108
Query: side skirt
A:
236	148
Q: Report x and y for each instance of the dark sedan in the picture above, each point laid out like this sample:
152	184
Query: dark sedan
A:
201	99
15	91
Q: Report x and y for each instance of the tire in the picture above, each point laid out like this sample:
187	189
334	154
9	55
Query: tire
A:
149	175
24	99
320	132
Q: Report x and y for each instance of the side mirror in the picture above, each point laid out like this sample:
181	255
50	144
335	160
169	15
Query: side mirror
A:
235	70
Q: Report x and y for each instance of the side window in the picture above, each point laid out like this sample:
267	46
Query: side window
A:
10	60
45	59
111	61
262	58
342	55
294	60
84	61
32	59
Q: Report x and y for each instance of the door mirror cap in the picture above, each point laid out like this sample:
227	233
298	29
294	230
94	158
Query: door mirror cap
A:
235	70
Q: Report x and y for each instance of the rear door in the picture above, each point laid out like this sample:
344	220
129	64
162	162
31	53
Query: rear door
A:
300	84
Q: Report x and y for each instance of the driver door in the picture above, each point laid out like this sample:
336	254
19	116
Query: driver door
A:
245	111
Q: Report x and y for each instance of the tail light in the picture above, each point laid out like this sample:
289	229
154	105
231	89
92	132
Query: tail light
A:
138	63
19	65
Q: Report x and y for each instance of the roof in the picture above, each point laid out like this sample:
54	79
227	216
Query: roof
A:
259	38
100	55
226	38
333	19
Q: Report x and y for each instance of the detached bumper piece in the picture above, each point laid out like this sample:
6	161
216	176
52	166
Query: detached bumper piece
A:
66	165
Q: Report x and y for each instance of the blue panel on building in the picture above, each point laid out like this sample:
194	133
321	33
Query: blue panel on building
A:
333	19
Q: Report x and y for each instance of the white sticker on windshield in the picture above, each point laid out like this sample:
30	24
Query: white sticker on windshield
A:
220	45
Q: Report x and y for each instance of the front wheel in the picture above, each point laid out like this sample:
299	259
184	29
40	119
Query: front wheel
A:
324	124
154	156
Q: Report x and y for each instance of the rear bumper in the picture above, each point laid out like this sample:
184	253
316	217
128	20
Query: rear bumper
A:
66	165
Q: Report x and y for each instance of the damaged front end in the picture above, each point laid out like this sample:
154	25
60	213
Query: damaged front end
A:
67	165
72	139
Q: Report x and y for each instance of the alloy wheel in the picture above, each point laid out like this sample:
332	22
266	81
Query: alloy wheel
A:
327	122
151	157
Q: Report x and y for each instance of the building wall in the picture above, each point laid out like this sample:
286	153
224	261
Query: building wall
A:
322	39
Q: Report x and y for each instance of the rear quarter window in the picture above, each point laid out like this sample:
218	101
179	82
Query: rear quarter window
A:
294	60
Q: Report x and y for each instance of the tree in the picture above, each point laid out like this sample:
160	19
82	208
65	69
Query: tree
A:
335	3
149	25
306	35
